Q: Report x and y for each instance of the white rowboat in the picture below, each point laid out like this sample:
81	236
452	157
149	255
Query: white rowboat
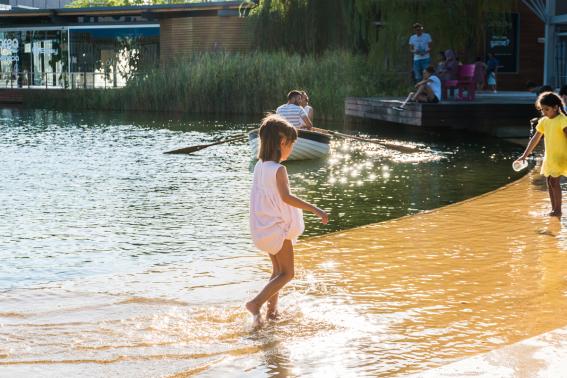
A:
309	145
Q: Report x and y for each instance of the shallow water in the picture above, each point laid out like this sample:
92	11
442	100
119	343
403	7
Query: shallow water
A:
120	260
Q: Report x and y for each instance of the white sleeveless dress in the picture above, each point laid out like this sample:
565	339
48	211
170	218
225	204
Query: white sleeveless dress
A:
271	219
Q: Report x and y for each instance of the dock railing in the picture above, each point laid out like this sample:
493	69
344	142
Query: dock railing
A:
61	80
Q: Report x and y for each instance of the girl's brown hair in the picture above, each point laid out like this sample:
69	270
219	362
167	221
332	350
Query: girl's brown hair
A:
272	129
550	99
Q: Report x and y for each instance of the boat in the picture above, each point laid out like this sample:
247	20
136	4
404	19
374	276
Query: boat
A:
309	145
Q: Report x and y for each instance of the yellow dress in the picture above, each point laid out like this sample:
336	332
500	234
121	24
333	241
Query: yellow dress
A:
555	159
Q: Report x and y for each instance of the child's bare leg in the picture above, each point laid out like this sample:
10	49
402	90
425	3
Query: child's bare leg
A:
285	261
554	188
273	300
551	191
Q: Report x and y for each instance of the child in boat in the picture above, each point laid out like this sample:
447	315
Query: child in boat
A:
553	125
276	219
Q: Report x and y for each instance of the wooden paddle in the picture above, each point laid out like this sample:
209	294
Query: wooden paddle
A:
191	149
393	146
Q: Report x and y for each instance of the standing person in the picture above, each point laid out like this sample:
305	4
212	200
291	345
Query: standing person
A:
553	125
563	95
293	112
420	46
479	73
440	67
276	219
491	70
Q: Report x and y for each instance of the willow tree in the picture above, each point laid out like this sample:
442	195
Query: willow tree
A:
457	24
378	27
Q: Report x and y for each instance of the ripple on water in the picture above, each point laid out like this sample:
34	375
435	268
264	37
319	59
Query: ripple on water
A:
120	260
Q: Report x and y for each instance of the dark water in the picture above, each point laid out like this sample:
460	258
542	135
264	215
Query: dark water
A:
89	193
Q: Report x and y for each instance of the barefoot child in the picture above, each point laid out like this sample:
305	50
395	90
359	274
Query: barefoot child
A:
553	125
276	219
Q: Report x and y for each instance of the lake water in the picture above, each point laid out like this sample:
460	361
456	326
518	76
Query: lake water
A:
119	260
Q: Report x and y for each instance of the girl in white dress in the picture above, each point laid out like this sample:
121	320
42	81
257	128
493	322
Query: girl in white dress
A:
276	218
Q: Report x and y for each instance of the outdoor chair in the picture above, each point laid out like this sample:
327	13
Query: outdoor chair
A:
465	82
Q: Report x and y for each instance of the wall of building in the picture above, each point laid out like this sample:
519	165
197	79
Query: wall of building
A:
180	36
530	61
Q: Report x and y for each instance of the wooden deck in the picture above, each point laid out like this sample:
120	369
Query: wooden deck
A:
505	114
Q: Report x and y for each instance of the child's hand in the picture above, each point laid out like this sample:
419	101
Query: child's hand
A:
323	215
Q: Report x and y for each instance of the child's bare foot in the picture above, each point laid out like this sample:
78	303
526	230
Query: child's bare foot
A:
273	315
255	311
555	214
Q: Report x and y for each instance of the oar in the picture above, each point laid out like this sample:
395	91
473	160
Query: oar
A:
191	149
393	146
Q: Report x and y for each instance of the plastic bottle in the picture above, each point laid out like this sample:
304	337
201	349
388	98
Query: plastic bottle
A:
518	165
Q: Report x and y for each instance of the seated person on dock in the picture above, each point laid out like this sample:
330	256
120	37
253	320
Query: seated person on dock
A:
428	90
293	112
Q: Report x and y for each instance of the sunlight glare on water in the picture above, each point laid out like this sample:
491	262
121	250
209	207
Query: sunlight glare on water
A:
119	260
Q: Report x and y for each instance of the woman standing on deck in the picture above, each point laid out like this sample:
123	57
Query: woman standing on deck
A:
553	125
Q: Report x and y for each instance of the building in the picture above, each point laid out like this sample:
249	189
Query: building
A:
104	46
553	16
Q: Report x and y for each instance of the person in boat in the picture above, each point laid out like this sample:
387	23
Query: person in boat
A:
305	104
293	112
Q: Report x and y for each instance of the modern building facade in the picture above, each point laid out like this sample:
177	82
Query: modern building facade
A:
553	15
103	47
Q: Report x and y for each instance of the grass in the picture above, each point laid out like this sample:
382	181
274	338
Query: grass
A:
251	83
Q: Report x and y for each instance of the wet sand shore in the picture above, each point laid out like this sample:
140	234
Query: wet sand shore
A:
495	263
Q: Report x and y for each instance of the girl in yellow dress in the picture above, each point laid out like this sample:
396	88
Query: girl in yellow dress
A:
553	125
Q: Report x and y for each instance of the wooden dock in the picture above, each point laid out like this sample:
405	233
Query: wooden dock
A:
504	115
11	96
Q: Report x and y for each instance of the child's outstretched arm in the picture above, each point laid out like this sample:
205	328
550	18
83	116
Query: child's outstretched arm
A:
290	199
531	145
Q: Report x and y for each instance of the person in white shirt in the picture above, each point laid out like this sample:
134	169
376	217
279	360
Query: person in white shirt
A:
305	104
428	90
420	46
293	112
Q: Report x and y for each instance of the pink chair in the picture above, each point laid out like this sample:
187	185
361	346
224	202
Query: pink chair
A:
447	85
467	82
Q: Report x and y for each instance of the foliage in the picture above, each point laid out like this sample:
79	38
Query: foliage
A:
232	83
457	24
380	28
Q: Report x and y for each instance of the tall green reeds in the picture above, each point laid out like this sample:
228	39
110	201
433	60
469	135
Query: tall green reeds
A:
251	83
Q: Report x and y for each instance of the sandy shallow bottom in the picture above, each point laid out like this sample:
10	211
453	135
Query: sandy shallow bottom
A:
387	299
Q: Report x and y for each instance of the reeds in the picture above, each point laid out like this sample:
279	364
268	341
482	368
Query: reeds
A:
251	83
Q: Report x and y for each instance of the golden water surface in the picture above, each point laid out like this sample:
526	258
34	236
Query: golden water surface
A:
381	300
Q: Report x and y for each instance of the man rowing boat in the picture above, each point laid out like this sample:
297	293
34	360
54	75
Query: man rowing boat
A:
293	112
